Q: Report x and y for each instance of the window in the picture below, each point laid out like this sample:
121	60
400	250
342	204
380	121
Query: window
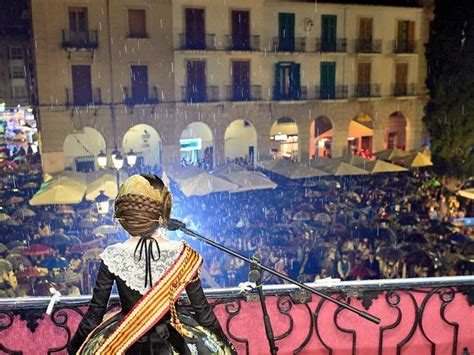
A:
81	85
16	53
287	81
139	83
195	81
18	72
405	37
136	23
194	20
78	21
19	92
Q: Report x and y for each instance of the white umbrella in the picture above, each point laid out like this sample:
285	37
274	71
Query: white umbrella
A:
204	184
106	182
467	193
337	167
414	160
374	166
291	170
227	169
60	191
180	174
249	180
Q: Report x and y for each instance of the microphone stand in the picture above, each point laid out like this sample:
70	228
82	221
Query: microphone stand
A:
174	225
256	276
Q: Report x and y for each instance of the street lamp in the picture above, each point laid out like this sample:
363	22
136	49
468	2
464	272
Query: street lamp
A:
102	159
131	158
117	160
103	203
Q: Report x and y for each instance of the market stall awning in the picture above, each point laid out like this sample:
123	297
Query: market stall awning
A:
249	180
180	174
391	154
204	184
61	190
337	167
467	193
414	160
106	182
291	170
374	166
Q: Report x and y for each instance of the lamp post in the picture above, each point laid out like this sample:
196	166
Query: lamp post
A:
117	161
103	203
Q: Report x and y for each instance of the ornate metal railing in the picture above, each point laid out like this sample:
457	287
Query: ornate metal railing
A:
432	315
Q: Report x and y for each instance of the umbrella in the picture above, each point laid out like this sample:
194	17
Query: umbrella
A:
408	220
18	250
406	248
106	229
37	249
249	180
467	193
15	243
5	266
301	216
361	272
64	209
420	258
291	170
59	191
3	248
89	222
32	272
390	154
92	254
4	217
337	167
59	239
30	185
24	212
458	238
376	233
54	263
416	238
14	200
414	160
228	169
440	229
81	248
18	260
46	215
204	184
68	276
106	183
323	218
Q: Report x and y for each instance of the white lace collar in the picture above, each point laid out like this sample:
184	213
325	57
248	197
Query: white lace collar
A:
120	260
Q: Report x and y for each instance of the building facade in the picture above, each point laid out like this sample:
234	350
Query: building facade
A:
202	81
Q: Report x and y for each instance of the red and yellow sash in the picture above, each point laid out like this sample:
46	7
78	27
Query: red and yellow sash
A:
154	304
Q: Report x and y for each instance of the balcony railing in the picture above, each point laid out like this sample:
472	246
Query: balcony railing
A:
366	90
194	95
82	40
207	42
368	46
404	47
338	92
293	93
296	44
248	44
404	89
150	99
253	93
412	311
95	98
339	45
138	35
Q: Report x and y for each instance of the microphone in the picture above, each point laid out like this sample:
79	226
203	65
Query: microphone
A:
174	224
254	274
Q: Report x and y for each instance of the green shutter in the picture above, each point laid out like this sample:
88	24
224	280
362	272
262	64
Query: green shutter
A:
276	91
295	80
329	31
286	31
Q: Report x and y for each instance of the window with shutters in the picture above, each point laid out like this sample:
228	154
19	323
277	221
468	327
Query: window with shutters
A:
16	53
137	23
17	72
405	42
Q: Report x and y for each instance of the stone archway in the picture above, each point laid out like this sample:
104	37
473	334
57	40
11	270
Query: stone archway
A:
396	131
284	138
240	141
197	146
321	138
145	141
81	149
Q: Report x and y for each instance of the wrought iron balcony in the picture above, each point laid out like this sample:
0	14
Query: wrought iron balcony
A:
138	35
339	45
404	47
338	92
205	43
293	93
366	90
296	44
88	99
80	40
147	98
252	93
431	315
194	94
252	43
368	46
404	90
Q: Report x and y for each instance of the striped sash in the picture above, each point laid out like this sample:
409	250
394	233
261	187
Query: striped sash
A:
154	304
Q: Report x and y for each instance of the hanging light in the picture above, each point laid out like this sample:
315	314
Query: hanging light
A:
114	153
118	161
102	159
103	203
131	158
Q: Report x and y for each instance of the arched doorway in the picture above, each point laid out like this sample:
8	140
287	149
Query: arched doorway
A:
396	131
81	149
321	138
361	135
240	141
284	137
197	146
145	141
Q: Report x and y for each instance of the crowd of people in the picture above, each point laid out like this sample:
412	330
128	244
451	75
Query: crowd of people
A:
350	228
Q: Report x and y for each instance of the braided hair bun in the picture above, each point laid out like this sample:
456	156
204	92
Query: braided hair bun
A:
142	205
